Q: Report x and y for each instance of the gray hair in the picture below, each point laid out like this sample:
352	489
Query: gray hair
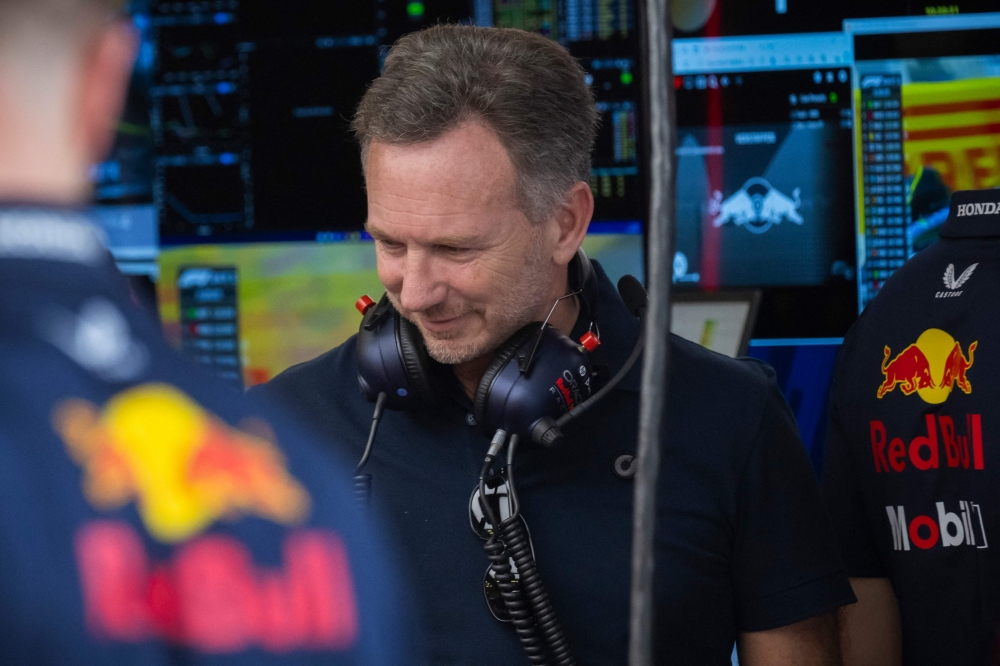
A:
527	89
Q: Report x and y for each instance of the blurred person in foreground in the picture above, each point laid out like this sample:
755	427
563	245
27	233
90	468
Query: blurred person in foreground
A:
476	147
911	452
146	517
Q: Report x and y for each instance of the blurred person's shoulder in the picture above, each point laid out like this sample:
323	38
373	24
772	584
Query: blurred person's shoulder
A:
150	505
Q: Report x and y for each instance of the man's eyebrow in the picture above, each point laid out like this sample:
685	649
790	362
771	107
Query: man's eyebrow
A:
456	241
376	233
445	241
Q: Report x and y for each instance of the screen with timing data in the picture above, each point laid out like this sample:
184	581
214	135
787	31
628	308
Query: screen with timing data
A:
926	93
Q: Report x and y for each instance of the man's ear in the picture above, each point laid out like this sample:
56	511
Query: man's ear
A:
106	68
573	219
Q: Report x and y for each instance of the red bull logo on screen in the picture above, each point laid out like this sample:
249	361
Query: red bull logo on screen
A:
757	206
931	367
183	467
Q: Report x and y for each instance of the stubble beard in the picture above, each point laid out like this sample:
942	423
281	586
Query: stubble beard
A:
519	303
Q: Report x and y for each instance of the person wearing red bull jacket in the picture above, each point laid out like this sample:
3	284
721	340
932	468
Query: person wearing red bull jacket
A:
910	454
148	515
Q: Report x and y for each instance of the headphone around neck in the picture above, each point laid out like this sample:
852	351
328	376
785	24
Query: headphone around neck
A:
536	376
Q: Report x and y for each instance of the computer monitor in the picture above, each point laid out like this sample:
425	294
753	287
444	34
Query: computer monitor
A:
715	18
718	320
123	182
252	102
926	94
251	310
291	301
729	18
764	185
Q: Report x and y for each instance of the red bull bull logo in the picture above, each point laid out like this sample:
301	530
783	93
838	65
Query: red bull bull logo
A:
757	206
183	467
931	367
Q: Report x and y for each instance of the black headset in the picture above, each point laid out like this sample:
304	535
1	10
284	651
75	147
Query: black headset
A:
536	376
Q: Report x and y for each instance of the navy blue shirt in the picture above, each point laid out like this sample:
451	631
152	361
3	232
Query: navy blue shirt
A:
149	514
911	450
742	543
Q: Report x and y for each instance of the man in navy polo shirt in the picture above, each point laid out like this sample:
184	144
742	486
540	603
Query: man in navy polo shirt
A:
476	145
910	452
148	515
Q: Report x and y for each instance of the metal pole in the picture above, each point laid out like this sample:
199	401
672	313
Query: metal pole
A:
662	119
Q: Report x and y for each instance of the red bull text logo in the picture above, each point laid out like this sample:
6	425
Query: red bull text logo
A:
211	597
568	389
930	367
923	451
183	467
964	528
566	394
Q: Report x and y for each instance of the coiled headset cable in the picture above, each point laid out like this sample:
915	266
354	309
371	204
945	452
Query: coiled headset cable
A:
518	608
537	625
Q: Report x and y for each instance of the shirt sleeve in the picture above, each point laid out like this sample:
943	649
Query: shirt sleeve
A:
786	568
844	500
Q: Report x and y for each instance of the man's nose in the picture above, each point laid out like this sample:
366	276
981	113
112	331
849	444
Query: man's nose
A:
421	288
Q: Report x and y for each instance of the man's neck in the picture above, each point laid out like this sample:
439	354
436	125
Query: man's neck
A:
39	166
470	373
25	188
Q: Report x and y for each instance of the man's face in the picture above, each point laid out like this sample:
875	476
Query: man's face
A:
456	255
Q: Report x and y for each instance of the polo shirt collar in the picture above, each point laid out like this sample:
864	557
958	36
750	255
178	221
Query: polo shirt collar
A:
35	232
973	214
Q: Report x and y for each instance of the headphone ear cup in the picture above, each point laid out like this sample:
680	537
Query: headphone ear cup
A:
415	359
501	357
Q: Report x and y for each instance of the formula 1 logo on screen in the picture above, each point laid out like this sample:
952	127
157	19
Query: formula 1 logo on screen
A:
757	206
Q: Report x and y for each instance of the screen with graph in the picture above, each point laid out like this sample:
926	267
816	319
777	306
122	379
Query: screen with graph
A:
252	100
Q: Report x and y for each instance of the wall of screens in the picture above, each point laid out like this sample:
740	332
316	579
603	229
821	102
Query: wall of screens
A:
818	144
256	96
235	161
